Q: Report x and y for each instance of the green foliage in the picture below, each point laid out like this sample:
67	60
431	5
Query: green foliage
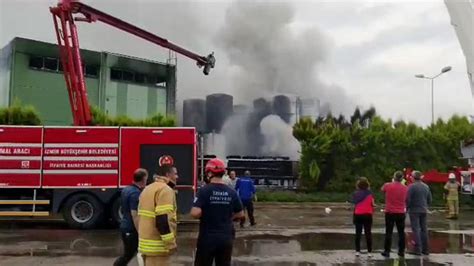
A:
314	170
335	151
18	114
99	118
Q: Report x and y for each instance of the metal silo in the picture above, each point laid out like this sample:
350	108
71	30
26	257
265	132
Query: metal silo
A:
262	107
308	108
241	109
219	107
194	114
282	107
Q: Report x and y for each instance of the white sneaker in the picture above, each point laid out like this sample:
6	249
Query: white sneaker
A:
357	254
370	255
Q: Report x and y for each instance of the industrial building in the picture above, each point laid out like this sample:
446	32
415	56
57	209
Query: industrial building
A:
30	72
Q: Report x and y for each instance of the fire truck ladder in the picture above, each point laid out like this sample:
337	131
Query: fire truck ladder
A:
64	15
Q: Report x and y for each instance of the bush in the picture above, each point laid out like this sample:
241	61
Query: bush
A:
17	114
336	151
99	118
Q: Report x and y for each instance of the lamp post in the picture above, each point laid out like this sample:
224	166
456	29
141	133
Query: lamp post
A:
421	76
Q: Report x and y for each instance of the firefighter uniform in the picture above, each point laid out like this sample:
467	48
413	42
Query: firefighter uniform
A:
157	201
452	198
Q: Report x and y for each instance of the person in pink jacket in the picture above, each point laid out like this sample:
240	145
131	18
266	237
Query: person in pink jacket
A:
364	203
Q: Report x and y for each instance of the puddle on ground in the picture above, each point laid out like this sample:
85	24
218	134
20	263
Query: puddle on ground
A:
278	245
107	243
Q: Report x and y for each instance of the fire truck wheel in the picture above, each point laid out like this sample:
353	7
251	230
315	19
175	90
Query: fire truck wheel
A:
83	211
116	212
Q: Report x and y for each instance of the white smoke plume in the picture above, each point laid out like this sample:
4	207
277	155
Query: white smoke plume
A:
270	56
279	140
235	132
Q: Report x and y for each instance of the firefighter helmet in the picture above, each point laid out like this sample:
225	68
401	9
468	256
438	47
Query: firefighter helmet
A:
215	166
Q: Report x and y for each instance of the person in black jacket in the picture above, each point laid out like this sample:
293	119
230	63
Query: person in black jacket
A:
129	223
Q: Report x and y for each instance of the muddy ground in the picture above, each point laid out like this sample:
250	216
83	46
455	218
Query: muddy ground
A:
286	235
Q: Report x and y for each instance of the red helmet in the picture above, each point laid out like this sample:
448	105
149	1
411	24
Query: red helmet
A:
215	166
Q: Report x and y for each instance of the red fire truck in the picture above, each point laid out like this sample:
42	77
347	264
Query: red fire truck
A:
78	171
463	175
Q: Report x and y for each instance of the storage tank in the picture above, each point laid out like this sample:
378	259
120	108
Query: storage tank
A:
262	107
194	114
219	107
282	107
241	109
308	108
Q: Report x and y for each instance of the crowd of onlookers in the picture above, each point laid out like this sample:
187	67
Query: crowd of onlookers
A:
150	219
149	223
400	200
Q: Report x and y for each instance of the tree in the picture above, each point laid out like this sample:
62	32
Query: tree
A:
335	152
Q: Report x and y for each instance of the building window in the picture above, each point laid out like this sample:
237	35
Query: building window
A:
127	76
139	78
92	71
115	74
134	77
36	62
51	64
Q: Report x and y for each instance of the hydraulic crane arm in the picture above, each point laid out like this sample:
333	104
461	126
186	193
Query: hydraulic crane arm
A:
64	15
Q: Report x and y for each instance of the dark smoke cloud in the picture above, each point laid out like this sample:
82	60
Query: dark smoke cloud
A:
273	56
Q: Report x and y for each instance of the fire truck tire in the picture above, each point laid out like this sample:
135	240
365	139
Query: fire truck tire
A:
83	211
116	212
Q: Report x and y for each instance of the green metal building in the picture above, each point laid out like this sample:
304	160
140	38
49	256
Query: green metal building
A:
30	72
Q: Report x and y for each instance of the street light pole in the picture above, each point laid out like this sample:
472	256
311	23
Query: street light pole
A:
432	101
421	76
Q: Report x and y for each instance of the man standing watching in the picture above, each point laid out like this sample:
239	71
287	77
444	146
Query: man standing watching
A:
246	190
452	197
128	225
417	202
216	205
395	208
157	223
231	180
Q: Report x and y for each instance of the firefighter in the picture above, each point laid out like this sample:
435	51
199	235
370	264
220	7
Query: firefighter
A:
452	198
216	206
157	218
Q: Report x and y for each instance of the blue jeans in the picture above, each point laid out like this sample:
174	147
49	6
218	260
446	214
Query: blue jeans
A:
420	231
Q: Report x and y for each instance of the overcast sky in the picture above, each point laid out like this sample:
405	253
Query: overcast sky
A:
371	51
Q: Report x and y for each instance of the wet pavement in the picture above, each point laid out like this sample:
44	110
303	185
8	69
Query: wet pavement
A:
287	235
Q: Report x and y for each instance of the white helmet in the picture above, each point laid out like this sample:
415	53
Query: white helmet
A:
451	176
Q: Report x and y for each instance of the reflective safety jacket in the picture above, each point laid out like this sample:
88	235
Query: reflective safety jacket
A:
157	201
452	188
